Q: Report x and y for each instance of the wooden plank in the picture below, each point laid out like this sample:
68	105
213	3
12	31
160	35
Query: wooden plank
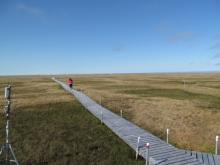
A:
167	155
188	152
163	152
180	160
166	149
194	162
211	159
200	156
160	146
216	159
194	154
205	158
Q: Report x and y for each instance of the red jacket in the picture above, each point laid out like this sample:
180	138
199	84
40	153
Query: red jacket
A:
70	81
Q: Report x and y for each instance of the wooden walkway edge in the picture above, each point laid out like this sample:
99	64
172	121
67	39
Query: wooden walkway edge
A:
160	153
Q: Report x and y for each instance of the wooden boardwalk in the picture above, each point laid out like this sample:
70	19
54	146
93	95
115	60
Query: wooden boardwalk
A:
160	153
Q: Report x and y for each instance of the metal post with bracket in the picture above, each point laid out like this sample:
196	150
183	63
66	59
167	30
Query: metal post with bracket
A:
6	150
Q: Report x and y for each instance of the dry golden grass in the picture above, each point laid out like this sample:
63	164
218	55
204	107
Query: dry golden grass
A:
159	101
32	91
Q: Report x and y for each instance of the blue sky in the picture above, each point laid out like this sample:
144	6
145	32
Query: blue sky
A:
109	36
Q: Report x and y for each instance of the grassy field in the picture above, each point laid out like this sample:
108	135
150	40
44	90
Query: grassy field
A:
160	101
49	127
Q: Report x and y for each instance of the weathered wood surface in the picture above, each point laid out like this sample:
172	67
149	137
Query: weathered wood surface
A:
161	153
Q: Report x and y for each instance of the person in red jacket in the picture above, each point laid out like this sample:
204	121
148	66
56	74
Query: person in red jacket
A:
70	82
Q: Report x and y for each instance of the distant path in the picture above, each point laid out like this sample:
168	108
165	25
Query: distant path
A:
161	153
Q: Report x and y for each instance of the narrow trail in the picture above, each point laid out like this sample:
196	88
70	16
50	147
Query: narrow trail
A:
160	152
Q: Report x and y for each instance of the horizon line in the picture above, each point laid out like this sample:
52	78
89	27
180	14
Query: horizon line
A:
113	73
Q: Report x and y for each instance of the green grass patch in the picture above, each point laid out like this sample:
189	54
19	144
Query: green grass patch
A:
202	100
169	93
92	82
64	133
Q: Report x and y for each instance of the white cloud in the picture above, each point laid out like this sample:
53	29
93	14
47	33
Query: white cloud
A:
215	46
119	49
217	55
181	37
29	9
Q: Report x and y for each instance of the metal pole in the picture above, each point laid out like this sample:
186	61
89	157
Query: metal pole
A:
168	136
13	155
101	116
216	145
137	148
8	92
7	141
7	131
147	158
121	113
6	148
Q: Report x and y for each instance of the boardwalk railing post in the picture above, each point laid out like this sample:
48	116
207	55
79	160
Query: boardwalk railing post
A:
137	149
121	113
147	157
101	116
100	100
168	136
184	84
216	145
